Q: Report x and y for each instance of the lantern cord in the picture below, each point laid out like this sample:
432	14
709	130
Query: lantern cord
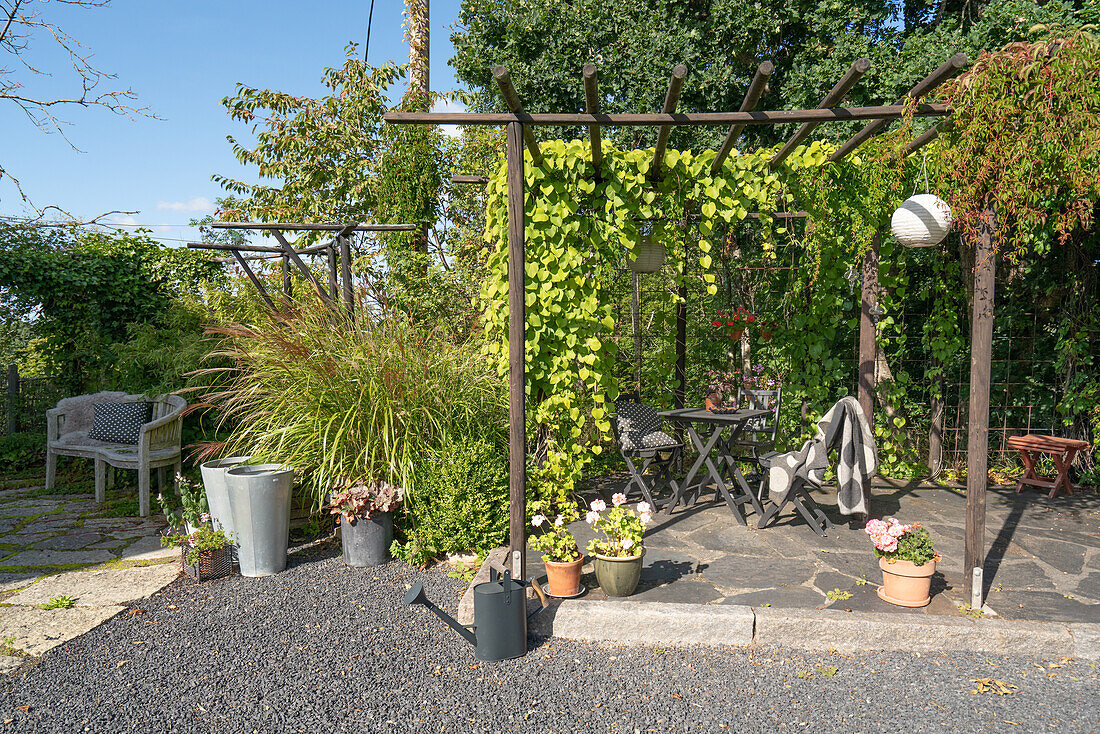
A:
924	170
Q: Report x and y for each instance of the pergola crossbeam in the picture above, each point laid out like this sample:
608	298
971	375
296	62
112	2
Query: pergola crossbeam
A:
293	255
326	227
592	107
672	98
839	91
511	98
752	98
928	136
946	70
255	281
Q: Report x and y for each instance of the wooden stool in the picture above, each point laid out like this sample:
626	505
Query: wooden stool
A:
1062	450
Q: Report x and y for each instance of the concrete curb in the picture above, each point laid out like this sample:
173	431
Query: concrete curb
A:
659	624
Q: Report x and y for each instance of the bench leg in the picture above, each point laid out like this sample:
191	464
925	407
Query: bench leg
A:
100	481
1029	469
144	480
1062	463
51	469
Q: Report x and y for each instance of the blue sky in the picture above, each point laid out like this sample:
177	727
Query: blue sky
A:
182	58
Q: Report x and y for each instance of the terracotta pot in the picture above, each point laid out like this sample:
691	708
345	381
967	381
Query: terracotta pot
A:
564	579
618	576
765	335
713	400
904	584
736	334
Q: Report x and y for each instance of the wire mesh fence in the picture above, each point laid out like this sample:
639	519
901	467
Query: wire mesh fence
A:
26	401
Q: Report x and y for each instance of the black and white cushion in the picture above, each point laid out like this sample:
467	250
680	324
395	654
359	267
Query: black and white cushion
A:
120	422
640	427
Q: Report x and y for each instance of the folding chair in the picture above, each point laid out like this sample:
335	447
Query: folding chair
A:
637	429
800	497
757	440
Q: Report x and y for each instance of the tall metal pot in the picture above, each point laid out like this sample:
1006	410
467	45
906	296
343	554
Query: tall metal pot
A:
217	492
259	496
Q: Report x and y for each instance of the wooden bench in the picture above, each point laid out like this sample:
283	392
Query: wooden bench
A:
1062	450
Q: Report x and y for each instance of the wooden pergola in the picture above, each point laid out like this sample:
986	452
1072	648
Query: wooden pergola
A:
337	251
520	133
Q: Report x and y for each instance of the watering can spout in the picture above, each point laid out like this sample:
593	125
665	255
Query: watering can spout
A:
416	595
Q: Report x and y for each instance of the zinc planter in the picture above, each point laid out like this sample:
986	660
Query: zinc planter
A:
905	584
618	576
259	500
367	541
217	492
564	579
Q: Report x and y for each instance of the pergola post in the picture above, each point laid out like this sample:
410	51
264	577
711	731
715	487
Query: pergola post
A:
284	264
867	330
977	447
517	418
345	275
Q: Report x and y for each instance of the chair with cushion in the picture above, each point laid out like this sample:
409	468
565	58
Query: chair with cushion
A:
637	429
118	430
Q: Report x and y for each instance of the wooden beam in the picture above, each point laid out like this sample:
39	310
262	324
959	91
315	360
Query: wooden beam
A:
464	179
945	71
328	227
290	251
517	409
752	97
867	347
928	136
592	107
656	119
345	275
977	447
504	81
254	248
672	98
285	266
840	90
255	281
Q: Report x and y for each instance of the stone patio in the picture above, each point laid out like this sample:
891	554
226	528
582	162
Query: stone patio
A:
1043	555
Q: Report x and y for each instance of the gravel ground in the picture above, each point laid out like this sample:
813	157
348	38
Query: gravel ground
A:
323	647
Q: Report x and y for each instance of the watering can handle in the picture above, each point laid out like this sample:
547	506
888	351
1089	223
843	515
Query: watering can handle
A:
538	590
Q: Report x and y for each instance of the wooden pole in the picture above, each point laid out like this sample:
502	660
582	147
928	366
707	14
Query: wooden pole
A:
255	281
867	330
681	337
517	418
284	262
345	276
636	325
511	98
292	253
752	97
299	227
840	90
333	278
592	106
928	136
672	98
977	447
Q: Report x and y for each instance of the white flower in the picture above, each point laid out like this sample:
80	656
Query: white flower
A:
646	518
598	505
591	517
559	522
644	508
618	499
627	543
538	520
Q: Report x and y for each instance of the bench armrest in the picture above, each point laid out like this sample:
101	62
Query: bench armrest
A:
161	433
55	417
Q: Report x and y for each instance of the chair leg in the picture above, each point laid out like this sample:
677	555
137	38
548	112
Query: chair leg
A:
144	480
51	469
100	481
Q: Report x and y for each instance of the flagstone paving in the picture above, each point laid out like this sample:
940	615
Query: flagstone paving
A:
53	546
1043	559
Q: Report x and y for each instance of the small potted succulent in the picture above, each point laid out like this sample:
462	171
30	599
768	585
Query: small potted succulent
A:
366	524
204	554
560	554
618	554
907	560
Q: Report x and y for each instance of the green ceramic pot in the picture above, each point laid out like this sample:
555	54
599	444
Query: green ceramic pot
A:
618	576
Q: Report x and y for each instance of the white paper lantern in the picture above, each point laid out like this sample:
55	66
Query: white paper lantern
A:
650	255
921	221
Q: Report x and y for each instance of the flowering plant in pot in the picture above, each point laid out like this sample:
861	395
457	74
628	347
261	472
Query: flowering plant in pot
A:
721	387
189	510
366	515
907	560
618	554
204	553
561	555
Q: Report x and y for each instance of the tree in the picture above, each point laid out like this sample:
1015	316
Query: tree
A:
21	22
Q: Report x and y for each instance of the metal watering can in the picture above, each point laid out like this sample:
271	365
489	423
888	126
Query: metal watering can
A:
500	616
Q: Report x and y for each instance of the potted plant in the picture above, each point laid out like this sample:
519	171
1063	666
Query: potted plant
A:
190	511
722	386
907	560
204	554
366	512
561	555
618	555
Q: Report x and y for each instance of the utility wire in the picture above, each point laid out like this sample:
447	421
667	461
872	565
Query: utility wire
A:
366	46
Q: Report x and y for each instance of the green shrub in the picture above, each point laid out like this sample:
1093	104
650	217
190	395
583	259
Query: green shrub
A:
21	451
459	504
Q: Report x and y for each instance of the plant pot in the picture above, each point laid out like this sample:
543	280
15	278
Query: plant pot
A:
904	584
564	579
618	576
736	334
765	335
366	541
259	500
212	564
713	401
217	492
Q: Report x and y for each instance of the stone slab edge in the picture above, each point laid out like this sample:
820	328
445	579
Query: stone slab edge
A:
466	603
659	623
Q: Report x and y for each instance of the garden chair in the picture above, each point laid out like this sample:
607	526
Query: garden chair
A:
757	440
637	429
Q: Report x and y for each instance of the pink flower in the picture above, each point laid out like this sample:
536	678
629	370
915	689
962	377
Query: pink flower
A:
644	508
598	505
645	517
591	517
538	520
205	517
875	527
627	543
618	499
559	521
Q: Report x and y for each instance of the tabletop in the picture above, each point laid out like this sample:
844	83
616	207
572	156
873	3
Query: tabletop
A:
702	415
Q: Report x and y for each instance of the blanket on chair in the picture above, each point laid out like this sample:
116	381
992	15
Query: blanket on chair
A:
845	429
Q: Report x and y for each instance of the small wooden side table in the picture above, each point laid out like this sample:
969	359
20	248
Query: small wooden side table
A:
1062	450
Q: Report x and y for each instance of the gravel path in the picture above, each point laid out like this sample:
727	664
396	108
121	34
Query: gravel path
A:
323	647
